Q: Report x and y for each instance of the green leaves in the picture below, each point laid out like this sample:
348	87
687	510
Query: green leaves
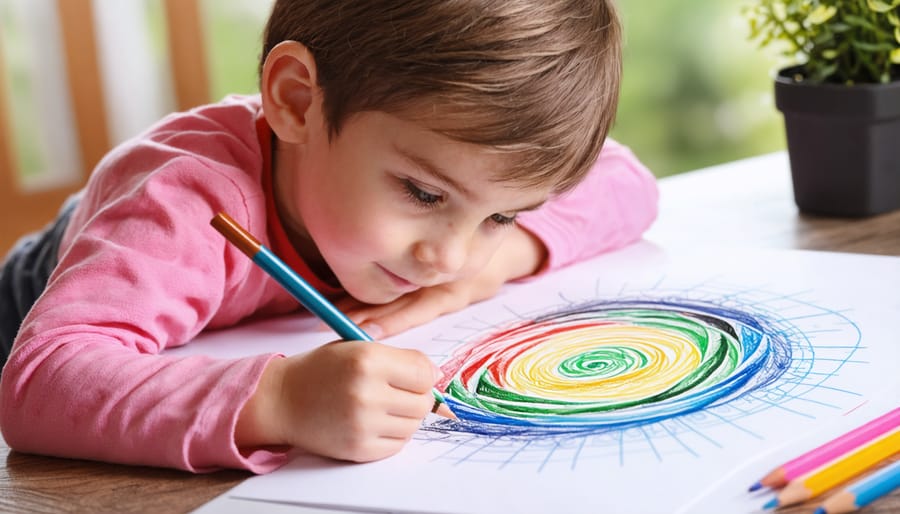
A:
881	6
841	41
821	14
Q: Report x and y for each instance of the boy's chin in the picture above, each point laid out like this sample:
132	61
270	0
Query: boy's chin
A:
374	296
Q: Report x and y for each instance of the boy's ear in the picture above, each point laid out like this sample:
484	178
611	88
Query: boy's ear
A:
288	89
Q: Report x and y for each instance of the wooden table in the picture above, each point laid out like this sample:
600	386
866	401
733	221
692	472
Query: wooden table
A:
746	202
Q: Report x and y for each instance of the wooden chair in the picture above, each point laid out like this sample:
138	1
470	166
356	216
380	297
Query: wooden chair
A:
23	210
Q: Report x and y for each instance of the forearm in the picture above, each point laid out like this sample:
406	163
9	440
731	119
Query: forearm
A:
521	255
95	400
611	208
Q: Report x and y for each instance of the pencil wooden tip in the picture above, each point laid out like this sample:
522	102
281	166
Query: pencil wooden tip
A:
774	480
441	409
236	234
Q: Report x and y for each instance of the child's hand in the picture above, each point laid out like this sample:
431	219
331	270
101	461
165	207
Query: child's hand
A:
422	306
521	254
356	401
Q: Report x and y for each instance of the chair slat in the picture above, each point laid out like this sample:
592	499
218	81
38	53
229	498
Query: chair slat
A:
85	83
8	163
187	52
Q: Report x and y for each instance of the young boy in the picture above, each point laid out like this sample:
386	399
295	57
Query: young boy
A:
407	158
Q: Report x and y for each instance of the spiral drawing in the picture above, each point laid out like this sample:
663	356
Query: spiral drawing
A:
610	364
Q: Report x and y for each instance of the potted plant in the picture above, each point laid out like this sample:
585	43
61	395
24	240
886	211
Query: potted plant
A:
840	99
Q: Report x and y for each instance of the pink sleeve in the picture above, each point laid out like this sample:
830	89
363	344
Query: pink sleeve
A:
146	271
611	208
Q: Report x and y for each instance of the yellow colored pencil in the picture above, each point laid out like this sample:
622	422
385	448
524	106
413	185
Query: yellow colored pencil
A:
839	470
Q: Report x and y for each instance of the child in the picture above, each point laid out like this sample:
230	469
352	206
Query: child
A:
407	158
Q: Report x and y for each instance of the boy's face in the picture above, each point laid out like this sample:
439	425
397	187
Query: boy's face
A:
391	207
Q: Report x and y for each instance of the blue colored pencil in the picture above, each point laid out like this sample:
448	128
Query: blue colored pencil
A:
301	289
863	491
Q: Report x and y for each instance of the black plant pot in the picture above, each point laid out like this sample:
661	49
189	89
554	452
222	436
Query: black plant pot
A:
843	143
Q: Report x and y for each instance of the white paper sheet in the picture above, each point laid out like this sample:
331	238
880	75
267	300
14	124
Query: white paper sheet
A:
836	314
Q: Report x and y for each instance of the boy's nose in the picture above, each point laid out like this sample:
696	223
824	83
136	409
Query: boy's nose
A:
445	253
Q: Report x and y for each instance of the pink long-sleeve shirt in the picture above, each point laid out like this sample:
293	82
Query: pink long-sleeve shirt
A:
141	269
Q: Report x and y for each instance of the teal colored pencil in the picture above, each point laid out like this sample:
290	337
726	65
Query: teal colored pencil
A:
864	491
302	290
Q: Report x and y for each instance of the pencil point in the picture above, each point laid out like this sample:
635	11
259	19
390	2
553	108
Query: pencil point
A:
444	410
771	504
755	487
820	510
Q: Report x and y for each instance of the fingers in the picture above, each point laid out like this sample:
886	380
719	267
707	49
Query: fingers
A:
348	303
413	309
381	438
419	307
366	316
414	372
375	370
397	427
404	404
376	448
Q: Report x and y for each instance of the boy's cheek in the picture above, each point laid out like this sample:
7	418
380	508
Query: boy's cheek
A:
477	265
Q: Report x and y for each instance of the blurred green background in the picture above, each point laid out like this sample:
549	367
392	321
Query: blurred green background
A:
696	92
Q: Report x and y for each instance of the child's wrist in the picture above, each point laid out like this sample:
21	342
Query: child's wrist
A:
259	421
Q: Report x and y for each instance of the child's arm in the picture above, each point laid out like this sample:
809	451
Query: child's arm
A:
611	208
141	270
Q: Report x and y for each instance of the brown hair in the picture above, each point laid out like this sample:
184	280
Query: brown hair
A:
535	78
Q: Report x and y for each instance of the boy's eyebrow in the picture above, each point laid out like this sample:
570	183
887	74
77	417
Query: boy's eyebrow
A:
433	170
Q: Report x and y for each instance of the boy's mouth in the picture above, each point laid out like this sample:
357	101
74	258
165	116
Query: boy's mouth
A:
399	282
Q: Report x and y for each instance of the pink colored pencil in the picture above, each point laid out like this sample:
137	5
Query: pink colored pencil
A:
829	451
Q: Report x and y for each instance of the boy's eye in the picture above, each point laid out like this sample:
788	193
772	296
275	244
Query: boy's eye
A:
419	195
500	219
